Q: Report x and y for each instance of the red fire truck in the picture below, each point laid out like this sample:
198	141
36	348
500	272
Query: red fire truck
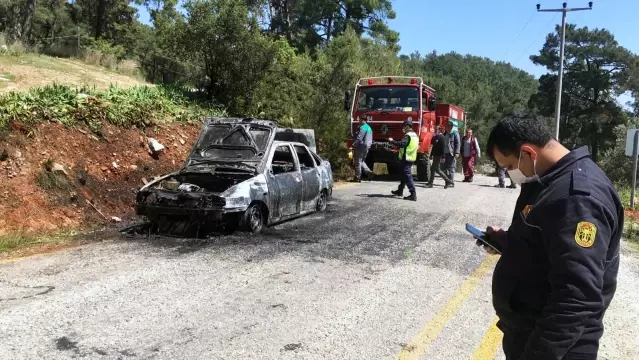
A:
386	102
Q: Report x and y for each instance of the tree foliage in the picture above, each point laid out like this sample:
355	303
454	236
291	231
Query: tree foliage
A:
596	71
291	60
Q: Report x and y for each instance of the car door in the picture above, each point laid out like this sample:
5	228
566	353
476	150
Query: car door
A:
286	177
310	177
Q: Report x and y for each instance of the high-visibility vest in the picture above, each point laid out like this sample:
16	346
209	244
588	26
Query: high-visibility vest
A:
411	149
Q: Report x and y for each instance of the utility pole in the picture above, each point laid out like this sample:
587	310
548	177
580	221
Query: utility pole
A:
563	11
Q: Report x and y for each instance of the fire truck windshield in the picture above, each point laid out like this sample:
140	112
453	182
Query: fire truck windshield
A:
388	98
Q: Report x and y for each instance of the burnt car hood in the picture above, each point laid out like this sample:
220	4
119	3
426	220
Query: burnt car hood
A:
240	143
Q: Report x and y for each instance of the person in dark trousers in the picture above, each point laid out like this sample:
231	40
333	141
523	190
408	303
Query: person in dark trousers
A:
501	176
407	156
436	154
469	151
451	152
361	145
560	256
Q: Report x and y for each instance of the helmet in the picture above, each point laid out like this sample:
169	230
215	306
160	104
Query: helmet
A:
408	123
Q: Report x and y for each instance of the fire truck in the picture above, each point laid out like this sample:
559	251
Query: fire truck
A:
386	102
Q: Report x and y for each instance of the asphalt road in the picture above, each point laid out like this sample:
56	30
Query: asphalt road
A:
360	281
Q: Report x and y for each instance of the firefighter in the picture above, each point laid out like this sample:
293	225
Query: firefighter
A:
560	256
361	146
407	157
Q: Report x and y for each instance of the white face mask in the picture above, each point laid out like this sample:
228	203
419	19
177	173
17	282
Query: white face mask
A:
519	178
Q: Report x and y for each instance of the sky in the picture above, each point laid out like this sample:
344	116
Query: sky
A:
502	30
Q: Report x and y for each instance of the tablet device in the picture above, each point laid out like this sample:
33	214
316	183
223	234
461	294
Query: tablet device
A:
481	237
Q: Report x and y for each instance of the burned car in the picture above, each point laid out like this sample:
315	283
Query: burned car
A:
240	174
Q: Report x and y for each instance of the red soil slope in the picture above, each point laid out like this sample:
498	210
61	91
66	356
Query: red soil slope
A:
26	207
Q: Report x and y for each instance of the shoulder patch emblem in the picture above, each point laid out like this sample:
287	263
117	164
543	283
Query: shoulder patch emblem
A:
585	234
526	210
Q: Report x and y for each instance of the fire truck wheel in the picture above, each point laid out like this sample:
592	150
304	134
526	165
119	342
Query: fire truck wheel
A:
423	164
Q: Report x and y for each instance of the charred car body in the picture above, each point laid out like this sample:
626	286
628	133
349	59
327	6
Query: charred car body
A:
241	173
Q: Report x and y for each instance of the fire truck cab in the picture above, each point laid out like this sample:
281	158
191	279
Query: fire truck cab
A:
386	102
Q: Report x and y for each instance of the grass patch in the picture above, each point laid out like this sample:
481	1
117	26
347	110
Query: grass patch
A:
631	230
135	106
13	47
36	60
631	234
129	67
7	76
22	239
624	195
52	181
408	252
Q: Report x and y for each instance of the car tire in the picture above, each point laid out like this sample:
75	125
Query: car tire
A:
253	220
322	201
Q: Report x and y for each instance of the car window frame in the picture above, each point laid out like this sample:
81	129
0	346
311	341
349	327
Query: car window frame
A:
293	156
309	152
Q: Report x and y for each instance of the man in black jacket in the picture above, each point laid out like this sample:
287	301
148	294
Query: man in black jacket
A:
560	256
438	146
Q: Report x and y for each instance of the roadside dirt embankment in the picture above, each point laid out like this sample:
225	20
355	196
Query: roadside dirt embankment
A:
57	178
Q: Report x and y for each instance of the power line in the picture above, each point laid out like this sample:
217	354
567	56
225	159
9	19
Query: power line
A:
517	37
534	41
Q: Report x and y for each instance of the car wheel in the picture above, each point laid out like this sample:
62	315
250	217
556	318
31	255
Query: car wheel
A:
322	201
254	219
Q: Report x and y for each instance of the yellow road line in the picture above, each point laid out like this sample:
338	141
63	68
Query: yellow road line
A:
420	343
489	343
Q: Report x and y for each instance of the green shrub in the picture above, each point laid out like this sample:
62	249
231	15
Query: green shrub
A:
106	48
140	106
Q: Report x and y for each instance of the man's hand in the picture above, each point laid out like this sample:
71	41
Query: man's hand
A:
496	235
390	139
457	156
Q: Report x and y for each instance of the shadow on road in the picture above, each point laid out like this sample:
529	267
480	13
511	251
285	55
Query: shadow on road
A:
426	187
389	196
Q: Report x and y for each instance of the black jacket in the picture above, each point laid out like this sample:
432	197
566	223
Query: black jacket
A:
558	270
439	145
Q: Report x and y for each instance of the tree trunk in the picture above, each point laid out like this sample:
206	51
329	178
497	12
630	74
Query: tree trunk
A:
272	12
28	20
286	18
100	17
